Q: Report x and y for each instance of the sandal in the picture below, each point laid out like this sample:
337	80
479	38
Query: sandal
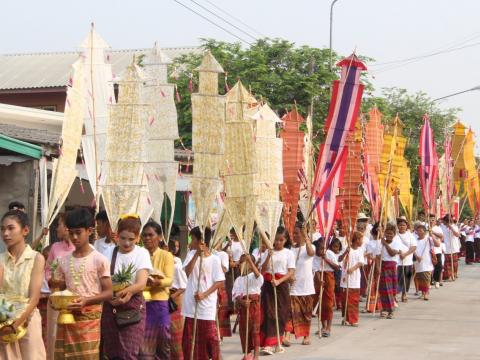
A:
286	343
266	351
306	342
383	315
279	350
390	315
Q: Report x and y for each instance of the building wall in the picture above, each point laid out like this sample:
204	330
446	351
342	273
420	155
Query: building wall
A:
35	98
17	182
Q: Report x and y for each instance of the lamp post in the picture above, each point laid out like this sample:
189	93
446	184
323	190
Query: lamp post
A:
475	88
331	27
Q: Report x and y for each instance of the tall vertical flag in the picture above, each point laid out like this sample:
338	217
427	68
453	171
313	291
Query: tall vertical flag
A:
428	169
343	111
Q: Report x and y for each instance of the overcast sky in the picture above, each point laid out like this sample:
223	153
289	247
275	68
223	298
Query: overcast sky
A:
386	30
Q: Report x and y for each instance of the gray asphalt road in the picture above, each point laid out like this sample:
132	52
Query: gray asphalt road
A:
446	327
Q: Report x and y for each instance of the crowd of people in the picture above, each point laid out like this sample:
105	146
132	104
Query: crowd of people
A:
136	298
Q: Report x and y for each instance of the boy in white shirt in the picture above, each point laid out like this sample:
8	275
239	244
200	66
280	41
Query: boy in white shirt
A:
405	263
201	295
352	261
246	293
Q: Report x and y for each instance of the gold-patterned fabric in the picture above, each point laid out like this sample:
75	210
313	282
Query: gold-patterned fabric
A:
122	180
16	274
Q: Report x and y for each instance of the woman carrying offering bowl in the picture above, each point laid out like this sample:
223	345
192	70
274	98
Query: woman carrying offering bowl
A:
21	277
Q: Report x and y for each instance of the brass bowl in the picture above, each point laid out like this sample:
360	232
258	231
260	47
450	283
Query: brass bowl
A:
21	331
60	303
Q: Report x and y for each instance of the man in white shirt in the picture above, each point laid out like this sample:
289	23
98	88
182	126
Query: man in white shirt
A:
201	293
451	241
106	236
405	263
469	230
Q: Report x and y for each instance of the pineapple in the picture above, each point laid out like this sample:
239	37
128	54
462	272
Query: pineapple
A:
123	278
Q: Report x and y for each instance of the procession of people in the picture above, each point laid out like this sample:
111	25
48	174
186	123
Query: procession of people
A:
276	295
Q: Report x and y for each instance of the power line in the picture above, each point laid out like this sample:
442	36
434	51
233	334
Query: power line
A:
235	18
213	23
407	61
453	46
224	20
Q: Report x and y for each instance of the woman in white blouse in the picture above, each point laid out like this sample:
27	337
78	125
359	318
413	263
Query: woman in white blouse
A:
423	260
277	269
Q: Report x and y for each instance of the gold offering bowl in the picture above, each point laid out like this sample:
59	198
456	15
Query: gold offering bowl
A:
146	294
21	331
60	303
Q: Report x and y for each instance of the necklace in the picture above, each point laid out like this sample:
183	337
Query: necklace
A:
76	274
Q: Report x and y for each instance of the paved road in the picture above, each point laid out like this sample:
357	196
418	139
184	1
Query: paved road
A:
446	327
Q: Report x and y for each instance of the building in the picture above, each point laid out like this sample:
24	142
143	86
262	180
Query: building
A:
32	99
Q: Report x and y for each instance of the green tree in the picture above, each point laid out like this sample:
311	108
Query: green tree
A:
274	70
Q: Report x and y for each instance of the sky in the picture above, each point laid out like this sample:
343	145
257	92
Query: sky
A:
386	30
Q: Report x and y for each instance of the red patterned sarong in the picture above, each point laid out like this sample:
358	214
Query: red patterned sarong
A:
300	316
388	285
224	325
207	343
351	305
254	318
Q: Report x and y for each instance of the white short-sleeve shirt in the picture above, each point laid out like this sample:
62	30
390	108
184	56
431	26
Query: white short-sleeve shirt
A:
354	257
211	273
103	247
437	230
240	285
179	276
396	244
303	284
282	261
408	240
318	261
452	243
224	260
139	257
237	250
423	251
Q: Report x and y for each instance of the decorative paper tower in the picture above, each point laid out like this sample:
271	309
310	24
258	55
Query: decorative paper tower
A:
350	195
372	151
99	94
161	169
270	169
208	139
124	168
293	141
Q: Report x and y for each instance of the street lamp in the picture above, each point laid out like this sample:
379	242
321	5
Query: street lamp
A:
454	94
331	27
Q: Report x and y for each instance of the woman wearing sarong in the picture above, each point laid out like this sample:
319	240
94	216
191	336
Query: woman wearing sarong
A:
123	340
156	344
423	260
21	276
352	261
451	240
324	267
277	277
246	292
176	294
391	246
302	288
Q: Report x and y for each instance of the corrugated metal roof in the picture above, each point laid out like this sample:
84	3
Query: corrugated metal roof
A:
48	70
36	136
